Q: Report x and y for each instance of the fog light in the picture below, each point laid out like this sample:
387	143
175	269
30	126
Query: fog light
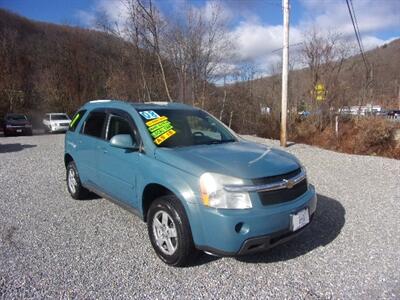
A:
242	228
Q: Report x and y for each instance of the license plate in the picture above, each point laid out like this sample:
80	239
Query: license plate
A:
19	130
299	220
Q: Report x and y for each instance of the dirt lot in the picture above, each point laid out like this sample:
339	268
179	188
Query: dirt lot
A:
52	246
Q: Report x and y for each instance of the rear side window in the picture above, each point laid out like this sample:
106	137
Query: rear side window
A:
94	124
75	120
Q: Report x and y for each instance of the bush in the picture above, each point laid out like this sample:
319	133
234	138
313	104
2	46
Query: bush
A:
375	136
367	135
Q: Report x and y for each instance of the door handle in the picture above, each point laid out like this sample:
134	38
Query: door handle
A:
104	149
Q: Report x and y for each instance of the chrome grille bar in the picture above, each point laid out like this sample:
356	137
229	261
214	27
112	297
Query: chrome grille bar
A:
279	185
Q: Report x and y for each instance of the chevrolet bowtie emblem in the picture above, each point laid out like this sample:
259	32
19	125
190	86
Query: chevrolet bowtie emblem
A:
289	183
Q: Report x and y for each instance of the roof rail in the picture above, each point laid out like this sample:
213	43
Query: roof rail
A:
99	101
158	102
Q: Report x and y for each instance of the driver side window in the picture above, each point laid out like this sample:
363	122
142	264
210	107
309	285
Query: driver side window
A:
118	125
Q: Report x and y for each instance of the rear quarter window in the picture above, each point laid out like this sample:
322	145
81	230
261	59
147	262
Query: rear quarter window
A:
75	120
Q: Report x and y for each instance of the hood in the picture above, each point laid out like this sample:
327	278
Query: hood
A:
245	160
60	121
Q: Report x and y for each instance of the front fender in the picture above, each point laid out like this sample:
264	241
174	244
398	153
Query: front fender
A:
182	184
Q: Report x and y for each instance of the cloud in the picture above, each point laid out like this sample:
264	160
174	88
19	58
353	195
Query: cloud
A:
115	11
258	41
254	40
86	18
372	15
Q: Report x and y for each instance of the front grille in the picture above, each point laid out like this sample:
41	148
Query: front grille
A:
64	124
282	195
272	179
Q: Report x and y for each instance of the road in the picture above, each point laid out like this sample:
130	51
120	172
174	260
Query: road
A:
52	246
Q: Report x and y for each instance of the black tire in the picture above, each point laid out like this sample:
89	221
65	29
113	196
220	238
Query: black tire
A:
76	190
185	251
5	132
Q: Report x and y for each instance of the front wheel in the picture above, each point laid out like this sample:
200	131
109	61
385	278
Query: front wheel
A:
75	188
169	231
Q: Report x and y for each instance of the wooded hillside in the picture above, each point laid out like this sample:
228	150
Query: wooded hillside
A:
48	67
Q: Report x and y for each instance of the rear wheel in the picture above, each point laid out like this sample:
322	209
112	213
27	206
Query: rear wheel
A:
169	231
74	185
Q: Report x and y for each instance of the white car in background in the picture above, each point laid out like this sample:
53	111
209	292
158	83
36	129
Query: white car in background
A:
56	122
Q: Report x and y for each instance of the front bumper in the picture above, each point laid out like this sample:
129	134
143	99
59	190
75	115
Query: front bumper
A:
59	128
236	232
18	130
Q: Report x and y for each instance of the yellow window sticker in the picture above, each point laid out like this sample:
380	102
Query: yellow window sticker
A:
165	136
160	129
156	121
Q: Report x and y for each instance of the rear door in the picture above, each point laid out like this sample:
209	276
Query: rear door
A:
91	134
118	168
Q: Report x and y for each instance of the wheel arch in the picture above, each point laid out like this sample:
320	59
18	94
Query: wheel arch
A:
154	190
151	192
67	159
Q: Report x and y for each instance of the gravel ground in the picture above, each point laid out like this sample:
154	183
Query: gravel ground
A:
54	247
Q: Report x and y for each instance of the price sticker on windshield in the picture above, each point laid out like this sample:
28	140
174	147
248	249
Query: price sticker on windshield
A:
149	114
160	129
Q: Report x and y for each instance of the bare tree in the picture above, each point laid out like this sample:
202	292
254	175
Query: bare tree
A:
324	55
10	84
148	26
196	45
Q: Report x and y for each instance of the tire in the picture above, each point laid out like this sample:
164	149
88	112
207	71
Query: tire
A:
180	250
74	186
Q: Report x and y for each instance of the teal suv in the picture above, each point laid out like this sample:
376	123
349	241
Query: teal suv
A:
196	183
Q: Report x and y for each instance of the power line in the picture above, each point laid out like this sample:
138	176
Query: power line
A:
357	33
291	45
358	29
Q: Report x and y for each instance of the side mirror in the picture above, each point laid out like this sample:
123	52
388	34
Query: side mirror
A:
123	141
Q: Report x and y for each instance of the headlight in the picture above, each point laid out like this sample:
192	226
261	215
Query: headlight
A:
303	168
214	195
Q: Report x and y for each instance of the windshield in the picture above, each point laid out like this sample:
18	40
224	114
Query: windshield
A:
59	117
176	128
16	117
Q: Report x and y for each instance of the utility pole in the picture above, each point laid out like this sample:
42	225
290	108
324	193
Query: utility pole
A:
399	97
285	70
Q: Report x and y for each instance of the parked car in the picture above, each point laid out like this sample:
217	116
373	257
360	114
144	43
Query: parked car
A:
56	122
16	124
394	114
197	184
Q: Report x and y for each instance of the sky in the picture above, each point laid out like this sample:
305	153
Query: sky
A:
254	25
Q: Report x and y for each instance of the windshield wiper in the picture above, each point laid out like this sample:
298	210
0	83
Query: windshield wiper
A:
220	142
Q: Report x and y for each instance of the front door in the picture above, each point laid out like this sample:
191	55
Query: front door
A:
118	167
87	147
